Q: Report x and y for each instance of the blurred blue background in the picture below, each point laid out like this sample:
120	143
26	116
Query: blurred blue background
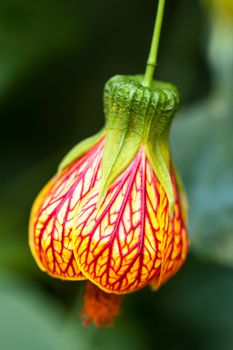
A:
54	60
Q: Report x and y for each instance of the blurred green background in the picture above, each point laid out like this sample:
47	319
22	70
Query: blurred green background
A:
54	60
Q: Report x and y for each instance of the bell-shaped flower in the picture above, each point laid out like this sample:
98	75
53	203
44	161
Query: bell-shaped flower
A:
115	212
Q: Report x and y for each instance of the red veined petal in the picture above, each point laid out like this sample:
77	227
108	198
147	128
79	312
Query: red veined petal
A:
175	245
120	246
53	211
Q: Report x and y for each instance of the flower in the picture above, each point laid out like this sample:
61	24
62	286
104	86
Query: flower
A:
115	212
130	240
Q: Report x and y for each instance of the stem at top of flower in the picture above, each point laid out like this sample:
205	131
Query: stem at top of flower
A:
152	58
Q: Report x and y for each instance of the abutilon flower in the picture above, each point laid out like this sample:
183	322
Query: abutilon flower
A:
114	215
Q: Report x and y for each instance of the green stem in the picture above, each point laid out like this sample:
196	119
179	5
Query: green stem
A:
152	59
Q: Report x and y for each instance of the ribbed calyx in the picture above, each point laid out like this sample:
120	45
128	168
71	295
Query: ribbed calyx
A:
148	110
138	116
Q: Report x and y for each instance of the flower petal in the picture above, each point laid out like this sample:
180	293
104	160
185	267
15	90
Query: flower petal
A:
119	246
53	211
175	246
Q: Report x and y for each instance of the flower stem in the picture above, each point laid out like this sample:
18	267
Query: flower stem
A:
152	58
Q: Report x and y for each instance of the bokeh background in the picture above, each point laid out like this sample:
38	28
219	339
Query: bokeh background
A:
54	60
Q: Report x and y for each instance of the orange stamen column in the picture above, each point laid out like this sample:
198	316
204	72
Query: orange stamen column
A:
99	307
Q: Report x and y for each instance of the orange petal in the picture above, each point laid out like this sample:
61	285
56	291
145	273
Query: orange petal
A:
120	246
53	211
175	244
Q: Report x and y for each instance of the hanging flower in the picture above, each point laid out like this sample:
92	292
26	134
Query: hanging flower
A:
114	215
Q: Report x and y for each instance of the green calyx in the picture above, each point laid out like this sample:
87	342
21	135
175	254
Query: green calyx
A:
138	116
